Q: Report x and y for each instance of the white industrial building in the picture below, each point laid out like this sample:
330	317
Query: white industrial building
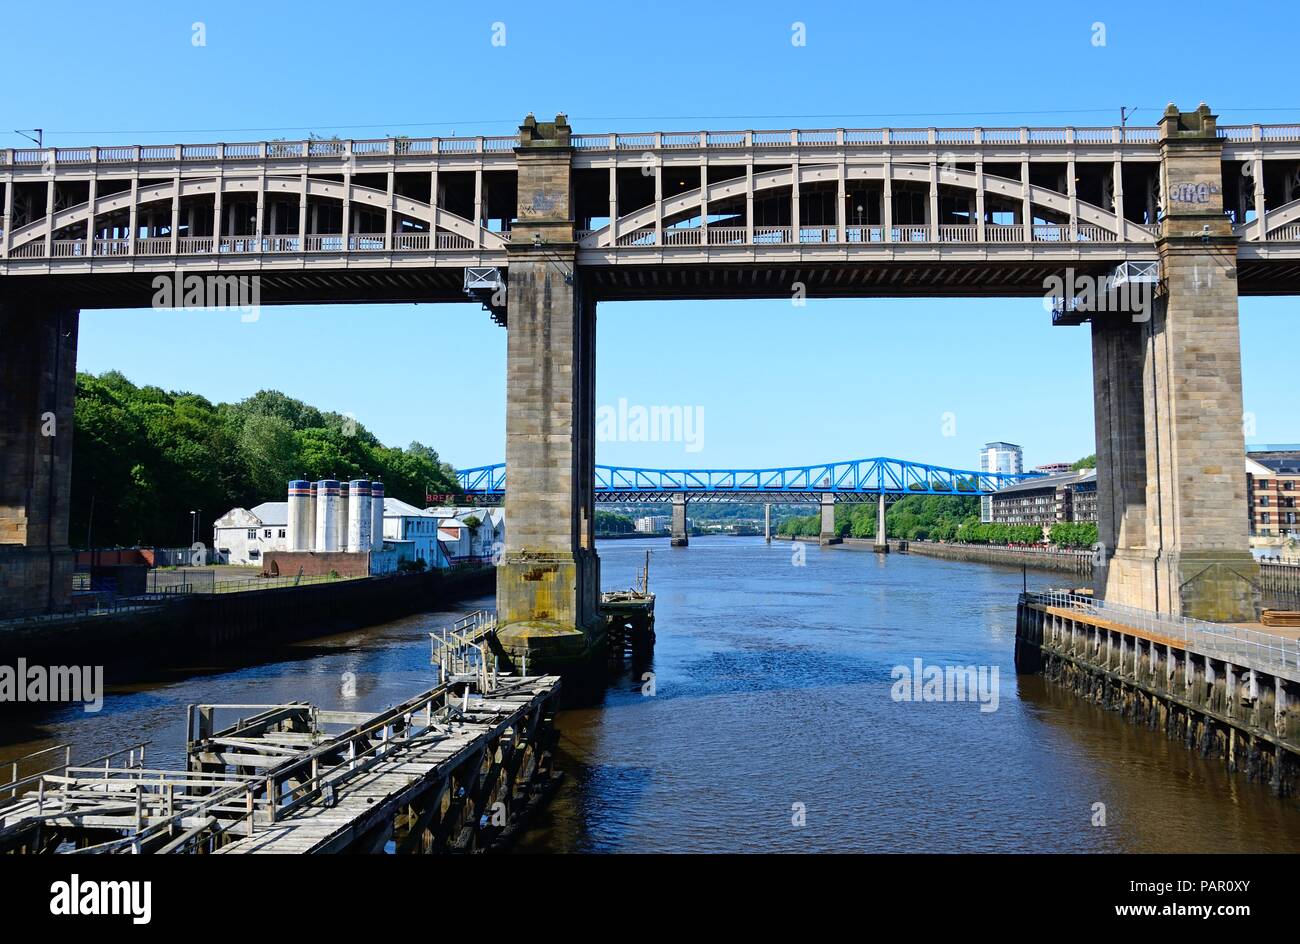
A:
651	524
466	543
332	516
243	535
416	528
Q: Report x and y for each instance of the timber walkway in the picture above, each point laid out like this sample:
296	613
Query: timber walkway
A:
450	769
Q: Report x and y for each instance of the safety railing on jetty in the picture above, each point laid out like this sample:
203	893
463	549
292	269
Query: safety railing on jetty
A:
20	783
463	650
1222	640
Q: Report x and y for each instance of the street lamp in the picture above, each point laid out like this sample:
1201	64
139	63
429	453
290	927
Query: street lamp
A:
194	527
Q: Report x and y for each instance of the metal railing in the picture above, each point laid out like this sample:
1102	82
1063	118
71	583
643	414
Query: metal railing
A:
1249	647
207	581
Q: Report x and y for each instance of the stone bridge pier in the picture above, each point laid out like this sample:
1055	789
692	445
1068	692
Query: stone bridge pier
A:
38	379
881	544
1172	514
829	533
679	535
548	581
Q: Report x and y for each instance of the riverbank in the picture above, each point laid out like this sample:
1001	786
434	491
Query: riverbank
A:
1074	562
131	639
1062	561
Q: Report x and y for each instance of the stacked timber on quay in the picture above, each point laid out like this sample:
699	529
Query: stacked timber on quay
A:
1226	691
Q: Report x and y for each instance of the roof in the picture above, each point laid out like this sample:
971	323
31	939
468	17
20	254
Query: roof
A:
1279	464
1050	482
1273	447
272	513
453	511
396	508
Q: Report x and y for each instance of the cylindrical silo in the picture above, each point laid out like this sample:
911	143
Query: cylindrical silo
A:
341	517
311	530
360	517
301	537
327	521
377	516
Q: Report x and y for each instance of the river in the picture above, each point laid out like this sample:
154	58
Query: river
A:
769	721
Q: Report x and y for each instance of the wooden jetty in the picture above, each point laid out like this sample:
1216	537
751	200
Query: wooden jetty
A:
1226	690
450	769
629	618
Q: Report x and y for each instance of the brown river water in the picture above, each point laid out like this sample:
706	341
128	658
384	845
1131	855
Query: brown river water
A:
774	723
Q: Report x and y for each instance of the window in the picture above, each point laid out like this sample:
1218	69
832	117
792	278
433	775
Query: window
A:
252	534
266	533
1263	501
1263	518
282	532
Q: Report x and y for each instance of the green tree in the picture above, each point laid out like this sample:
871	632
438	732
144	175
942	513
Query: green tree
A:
269	448
147	457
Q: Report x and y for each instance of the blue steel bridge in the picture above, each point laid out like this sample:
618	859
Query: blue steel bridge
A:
855	480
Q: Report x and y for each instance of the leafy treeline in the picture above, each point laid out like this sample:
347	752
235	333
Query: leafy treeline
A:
914	518
942	518
145	457
1074	534
609	522
973	532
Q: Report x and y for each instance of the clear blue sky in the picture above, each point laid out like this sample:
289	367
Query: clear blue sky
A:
777	384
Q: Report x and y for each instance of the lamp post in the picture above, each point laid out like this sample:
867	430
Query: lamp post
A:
194	527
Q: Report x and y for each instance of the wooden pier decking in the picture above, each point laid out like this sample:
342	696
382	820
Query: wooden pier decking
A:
376	805
450	769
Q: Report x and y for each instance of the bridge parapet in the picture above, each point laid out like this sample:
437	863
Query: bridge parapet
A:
985	197
416	149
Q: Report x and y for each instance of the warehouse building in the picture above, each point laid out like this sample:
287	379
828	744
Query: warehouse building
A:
1272	487
244	535
1047	501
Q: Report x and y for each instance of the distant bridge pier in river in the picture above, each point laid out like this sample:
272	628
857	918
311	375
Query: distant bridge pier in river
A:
828	533
882	541
679	534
